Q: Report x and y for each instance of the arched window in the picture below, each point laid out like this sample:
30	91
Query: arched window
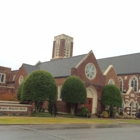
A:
111	82
59	93
134	83
121	84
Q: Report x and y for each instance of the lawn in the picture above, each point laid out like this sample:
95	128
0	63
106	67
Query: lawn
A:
62	120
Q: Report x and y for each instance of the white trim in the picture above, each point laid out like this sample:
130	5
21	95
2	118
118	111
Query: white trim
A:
7	87
11	102
83	59
95	71
131	78
21	79
108	69
59	93
132	101
129	90
93	94
121	79
14	104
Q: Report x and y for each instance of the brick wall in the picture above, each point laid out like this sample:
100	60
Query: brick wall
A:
126	79
112	75
21	72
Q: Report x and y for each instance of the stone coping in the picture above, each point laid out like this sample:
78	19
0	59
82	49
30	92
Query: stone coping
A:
3	104
10	102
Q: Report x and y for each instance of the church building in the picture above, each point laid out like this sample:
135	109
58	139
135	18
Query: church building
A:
123	71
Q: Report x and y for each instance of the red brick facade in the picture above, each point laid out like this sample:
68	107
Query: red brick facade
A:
21	72
7	85
94	86
111	75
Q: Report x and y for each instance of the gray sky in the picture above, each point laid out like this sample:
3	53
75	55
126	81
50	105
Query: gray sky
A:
28	27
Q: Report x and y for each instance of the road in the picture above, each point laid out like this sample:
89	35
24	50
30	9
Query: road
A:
70	132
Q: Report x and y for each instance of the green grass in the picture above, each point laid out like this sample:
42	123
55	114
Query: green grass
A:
62	120
41	114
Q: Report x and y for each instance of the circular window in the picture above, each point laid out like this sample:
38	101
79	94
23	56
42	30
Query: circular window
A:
90	71
21	79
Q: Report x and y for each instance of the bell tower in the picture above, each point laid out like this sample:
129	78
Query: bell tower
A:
62	46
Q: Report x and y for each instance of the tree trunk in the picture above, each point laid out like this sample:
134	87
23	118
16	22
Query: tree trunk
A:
37	106
72	109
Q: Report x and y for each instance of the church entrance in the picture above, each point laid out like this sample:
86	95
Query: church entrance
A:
91	101
89	104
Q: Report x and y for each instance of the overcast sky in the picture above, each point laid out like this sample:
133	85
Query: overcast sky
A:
27	28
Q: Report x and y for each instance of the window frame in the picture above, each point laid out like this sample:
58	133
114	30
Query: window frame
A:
135	84
111	80
121	84
59	88
4	77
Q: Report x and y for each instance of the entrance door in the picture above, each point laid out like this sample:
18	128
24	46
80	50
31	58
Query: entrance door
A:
89	104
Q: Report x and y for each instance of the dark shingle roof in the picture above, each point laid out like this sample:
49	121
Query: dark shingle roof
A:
30	68
61	67
124	64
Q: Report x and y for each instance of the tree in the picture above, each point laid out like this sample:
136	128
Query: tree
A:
111	96
19	92
73	92
38	87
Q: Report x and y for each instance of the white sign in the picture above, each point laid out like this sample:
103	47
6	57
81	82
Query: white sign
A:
5	108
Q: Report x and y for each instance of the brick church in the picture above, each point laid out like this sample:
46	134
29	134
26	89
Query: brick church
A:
123	71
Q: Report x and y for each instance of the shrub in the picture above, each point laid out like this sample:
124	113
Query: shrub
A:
84	111
121	113
105	114
74	92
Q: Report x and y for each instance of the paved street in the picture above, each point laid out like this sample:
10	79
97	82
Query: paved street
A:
70	132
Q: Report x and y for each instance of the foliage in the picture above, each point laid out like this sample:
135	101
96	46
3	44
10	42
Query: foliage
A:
19	92
42	114
111	97
121	113
73	92
84	111
38	87
105	114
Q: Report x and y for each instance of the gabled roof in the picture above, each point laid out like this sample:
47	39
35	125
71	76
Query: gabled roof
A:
58	67
30	68
124	64
61	67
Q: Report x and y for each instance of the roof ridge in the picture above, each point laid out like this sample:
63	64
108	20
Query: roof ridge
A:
119	56
29	65
63	58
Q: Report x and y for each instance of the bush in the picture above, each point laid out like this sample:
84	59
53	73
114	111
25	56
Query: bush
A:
105	114
121	113
84	111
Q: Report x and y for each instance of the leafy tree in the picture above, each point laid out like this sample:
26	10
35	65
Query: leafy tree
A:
38	87
73	92
111	97
19	92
